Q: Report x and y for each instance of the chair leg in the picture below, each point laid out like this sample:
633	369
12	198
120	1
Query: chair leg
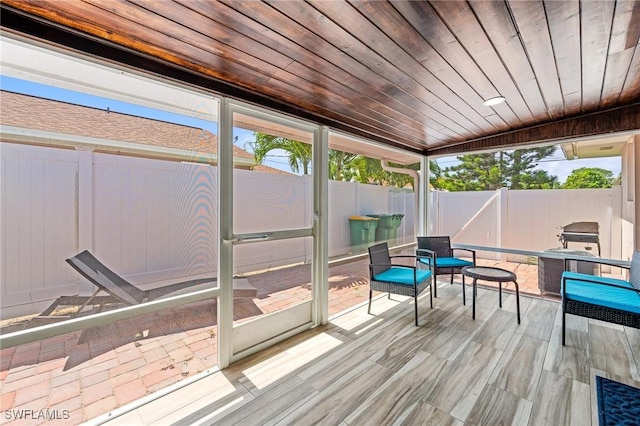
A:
370	294
435	286
563	325
452	277
464	293
431	293
415	301
475	293
88	300
517	300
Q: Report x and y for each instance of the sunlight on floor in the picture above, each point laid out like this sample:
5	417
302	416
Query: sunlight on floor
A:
265	374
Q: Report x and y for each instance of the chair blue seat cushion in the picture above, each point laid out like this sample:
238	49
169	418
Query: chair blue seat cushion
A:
398	275
603	295
447	262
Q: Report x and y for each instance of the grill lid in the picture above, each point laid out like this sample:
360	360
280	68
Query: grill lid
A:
582	227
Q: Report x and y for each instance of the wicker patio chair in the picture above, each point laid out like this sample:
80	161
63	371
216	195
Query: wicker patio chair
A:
395	278
602	298
445	260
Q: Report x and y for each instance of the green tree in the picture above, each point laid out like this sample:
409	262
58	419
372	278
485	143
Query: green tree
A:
436	175
342	165
514	169
539	179
519	166
476	172
299	152
618	180
375	174
589	177
346	166
402	180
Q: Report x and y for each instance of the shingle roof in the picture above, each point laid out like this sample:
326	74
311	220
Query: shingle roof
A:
47	115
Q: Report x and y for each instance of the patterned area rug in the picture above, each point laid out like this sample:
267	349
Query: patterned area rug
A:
618	404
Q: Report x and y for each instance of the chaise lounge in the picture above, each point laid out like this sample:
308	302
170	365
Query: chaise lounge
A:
602	298
120	291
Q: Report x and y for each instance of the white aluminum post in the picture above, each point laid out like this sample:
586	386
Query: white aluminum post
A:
320	264
636	189
502	221
423	197
225	234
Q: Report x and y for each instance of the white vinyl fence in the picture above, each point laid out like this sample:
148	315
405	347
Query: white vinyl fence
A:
152	220
527	219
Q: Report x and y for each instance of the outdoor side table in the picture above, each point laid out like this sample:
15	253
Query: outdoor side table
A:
495	275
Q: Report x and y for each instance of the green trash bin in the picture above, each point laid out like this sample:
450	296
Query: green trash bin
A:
388	225
363	230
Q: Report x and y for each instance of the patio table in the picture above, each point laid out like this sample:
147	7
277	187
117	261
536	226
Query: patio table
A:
495	275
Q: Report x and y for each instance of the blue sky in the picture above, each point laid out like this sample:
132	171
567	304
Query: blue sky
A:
555	165
562	168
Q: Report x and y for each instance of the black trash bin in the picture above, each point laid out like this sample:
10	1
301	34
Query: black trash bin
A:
388	225
550	269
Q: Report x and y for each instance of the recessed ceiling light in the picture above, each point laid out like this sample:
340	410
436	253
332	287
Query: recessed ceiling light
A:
494	101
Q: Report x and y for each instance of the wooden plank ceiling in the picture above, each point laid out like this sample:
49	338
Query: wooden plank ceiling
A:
410	74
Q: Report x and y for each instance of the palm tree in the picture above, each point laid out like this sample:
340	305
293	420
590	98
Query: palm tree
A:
343	166
299	152
347	167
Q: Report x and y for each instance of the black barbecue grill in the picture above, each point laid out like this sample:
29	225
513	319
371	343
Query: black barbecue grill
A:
580	232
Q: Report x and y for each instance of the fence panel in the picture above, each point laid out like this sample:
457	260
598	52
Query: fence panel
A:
154	219
268	202
404	202
468	217
39	224
526	220
534	217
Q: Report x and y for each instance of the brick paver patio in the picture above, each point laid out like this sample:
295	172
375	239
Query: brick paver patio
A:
81	375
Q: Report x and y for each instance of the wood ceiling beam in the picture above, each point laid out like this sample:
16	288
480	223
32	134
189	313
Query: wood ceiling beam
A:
615	120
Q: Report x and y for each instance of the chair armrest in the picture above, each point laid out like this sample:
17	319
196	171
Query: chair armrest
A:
595	260
403	255
422	253
473	252
426	253
392	264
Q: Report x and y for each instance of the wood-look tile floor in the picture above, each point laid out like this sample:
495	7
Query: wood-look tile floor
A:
380	369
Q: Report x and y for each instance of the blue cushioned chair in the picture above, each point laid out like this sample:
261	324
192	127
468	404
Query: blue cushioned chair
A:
606	299
395	278
445	261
